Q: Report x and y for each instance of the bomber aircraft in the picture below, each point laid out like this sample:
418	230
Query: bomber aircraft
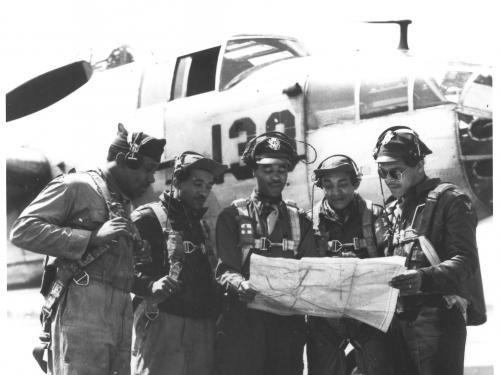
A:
215	98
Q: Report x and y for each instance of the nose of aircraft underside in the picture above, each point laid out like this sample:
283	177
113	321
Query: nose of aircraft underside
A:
475	135
474	118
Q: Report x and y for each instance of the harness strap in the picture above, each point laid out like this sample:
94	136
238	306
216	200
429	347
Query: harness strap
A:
430	207
68	270
366	210
246	237
423	229
160	214
151	309
207	246
293	212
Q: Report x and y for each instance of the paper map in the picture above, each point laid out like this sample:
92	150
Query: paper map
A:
327	287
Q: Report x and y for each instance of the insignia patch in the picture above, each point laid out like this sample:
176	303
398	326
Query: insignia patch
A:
274	143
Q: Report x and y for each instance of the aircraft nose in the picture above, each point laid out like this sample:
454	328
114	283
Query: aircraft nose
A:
476	144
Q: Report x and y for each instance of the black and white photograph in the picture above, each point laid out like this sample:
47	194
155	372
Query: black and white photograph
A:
249	188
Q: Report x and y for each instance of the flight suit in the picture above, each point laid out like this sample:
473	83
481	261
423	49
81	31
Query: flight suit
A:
91	330
328	337
428	331
251	341
180	340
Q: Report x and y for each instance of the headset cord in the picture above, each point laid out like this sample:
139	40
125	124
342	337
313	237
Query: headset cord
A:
388	226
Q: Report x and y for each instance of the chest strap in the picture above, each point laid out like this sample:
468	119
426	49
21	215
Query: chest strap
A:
248	240
368	240
161	215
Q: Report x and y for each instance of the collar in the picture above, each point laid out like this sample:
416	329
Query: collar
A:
177	208
113	184
262	201
421	189
340	216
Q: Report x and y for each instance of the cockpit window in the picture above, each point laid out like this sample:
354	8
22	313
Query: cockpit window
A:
426	94
243	56
383	96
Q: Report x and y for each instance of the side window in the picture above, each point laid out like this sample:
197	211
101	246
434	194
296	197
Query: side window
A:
426	94
330	102
195	73
384	96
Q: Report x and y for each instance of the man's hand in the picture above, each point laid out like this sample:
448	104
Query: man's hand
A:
245	292
166	286
408	282
111	230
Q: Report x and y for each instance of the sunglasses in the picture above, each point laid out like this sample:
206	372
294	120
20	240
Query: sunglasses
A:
393	174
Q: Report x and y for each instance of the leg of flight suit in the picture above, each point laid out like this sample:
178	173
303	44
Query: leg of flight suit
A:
200	343
158	344
402	361
241	345
436	341
325	347
84	331
172	344
372	346
286	337
120	361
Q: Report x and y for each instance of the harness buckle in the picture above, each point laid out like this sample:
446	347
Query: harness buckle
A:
262	244
152	315
288	245
46	312
189	247
356	243
82	279
335	246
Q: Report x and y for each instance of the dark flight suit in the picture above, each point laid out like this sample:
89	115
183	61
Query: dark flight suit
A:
327	338
181	339
429	332
250	341
92	328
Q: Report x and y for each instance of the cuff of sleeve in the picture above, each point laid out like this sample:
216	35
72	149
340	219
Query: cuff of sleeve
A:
427	283
232	280
78	243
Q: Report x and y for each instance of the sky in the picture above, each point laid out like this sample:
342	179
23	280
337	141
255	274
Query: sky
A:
41	35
